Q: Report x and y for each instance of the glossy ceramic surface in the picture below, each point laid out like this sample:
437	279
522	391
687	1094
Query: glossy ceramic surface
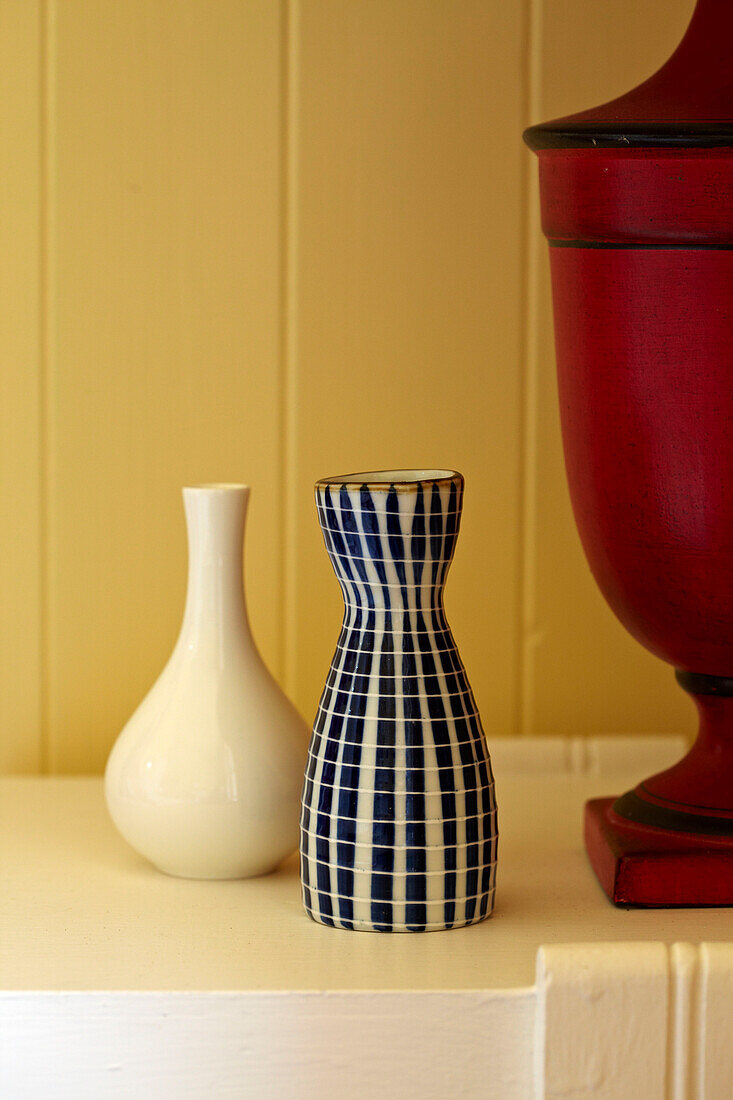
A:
398	825
204	779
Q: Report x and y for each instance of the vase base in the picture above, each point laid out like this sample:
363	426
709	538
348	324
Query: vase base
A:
213	876
647	867
482	913
356	926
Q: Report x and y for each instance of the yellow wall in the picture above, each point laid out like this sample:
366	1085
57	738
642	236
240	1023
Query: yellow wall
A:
245	240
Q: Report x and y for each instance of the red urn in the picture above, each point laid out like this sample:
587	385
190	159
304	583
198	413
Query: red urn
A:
637	204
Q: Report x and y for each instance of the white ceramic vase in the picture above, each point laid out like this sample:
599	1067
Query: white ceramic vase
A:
205	778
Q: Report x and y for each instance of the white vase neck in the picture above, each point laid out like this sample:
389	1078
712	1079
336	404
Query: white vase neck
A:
216	612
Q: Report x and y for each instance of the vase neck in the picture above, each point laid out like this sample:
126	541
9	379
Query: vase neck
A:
391	550
216	612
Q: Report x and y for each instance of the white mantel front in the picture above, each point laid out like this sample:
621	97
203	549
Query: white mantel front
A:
117	981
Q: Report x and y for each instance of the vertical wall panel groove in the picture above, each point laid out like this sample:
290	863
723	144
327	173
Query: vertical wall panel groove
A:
48	345
282	455
20	392
526	613
290	347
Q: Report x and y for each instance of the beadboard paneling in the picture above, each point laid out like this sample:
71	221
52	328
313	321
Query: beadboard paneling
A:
164	267
21	391
267	241
406	164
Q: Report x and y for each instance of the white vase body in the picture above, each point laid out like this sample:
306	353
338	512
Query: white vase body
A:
204	780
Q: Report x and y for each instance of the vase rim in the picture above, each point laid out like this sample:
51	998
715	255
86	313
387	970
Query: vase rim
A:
403	480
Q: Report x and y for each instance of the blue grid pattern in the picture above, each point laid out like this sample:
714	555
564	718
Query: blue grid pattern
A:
398	822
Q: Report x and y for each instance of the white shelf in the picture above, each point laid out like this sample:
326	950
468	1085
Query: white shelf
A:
229	986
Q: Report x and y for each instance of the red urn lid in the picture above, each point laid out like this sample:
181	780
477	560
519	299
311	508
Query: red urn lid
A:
688	102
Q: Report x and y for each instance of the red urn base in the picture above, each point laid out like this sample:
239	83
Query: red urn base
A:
670	840
640	865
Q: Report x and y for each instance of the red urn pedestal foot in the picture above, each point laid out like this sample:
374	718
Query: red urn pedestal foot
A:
637	204
669	842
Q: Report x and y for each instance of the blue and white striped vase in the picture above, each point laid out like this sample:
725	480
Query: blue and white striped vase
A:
398	826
